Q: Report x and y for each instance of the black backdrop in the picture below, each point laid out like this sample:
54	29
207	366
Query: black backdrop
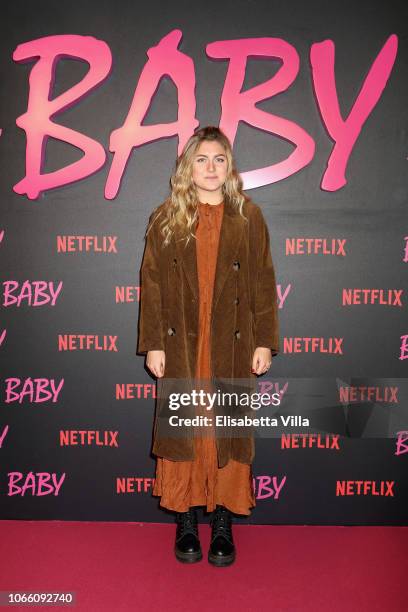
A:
369	212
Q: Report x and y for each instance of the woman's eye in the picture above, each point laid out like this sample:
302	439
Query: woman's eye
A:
218	159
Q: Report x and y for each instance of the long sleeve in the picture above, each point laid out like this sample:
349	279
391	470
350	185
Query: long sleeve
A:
266	306
150	322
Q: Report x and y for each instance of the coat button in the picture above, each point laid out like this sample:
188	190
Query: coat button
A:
236	266
237	334
171	331
236	301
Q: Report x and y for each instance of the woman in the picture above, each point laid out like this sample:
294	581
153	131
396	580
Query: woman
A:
208	311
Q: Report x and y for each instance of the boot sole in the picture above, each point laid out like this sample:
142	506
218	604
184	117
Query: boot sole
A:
221	561
188	557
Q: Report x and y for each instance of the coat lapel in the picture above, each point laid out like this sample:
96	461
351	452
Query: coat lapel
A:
231	232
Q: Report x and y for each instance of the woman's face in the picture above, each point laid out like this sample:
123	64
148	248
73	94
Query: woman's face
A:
209	168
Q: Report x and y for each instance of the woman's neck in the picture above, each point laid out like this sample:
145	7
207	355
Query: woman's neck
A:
210	197
211	204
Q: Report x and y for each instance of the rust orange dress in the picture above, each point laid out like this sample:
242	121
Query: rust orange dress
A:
182	484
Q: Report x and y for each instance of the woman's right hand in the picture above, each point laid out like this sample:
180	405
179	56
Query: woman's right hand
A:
156	361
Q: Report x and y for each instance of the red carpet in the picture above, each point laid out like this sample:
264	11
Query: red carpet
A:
131	566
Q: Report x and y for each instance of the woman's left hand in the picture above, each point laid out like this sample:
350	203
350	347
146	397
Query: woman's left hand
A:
261	361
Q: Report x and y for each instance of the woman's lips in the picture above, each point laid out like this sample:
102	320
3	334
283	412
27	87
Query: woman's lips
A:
211	177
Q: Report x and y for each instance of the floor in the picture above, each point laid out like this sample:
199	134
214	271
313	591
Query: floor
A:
129	566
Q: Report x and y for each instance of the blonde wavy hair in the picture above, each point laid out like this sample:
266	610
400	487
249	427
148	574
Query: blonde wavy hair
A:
180	210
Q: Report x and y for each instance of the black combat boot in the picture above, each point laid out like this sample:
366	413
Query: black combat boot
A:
187	546
222	549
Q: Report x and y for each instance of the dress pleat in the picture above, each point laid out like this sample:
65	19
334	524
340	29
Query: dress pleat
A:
182	484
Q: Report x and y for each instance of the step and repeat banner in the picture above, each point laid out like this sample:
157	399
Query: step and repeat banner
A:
98	99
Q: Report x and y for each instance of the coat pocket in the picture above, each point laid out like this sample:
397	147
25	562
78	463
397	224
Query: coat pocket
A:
165	325
252	335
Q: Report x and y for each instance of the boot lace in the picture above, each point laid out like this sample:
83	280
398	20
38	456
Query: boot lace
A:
187	523
222	524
